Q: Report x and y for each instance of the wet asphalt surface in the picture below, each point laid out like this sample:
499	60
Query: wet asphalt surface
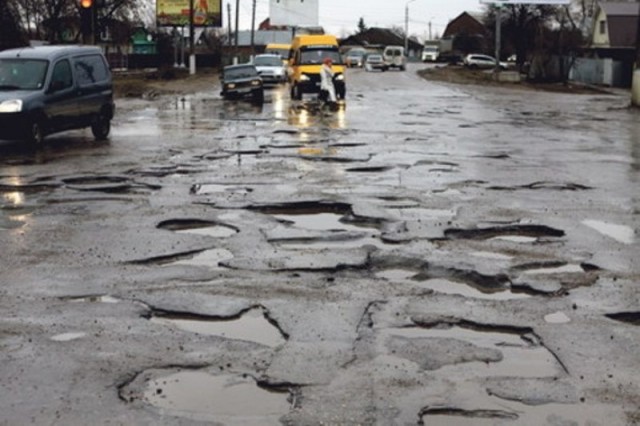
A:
433	254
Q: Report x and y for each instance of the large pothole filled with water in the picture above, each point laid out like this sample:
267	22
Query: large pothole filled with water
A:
198	396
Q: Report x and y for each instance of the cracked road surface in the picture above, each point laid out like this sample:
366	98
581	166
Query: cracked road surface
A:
433	254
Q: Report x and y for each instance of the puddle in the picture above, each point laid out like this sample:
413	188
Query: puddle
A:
628	317
209	258
446	286
452	287
515	239
321	244
251	326
492	256
565	269
217	231
229	400
620	233
67	337
95	299
318	222
497	411
519	357
208	189
557	318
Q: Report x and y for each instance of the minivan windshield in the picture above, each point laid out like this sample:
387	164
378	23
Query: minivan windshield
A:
267	61
315	56
22	74
284	53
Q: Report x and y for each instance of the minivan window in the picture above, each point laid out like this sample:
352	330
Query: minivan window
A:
90	69
316	56
22	74
61	76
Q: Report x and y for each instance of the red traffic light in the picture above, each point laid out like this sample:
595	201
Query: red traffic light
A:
86	4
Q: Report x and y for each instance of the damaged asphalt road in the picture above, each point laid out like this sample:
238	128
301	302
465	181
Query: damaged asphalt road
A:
431	255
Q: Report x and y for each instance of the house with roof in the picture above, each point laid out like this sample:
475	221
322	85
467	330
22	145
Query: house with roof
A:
611	55
466	34
615	31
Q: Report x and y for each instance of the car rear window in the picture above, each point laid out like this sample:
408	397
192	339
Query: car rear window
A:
90	69
241	72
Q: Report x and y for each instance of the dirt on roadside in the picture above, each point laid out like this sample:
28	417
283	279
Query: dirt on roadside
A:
456	74
150	84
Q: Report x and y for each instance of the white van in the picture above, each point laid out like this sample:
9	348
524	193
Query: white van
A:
394	57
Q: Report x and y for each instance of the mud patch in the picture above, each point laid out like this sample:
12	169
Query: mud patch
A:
228	399
252	325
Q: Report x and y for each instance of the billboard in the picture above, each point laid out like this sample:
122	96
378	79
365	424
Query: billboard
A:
533	2
206	13
294	13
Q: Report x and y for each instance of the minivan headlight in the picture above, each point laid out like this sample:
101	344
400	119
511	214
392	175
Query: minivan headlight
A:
14	105
304	77
340	77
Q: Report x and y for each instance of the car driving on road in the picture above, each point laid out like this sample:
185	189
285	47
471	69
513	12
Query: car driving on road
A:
475	60
49	89
239	81
375	61
270	68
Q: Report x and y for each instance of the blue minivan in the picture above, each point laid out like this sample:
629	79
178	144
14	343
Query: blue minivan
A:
49	89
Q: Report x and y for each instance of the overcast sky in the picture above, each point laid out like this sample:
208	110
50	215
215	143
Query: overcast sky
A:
341	16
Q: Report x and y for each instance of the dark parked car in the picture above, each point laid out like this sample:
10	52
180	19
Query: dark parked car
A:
239	81
49	89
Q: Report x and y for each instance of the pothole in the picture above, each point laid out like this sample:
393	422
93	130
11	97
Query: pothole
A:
213	188
620	233
628	317
227	399
563	269
251	325
512	412
514	233
198	227
521	355
67	337
445	286
104	298
209	258
108	184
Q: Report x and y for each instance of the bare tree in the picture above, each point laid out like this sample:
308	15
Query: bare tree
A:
11	34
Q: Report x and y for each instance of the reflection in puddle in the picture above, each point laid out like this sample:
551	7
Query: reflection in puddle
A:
557	318
620	233
251	326
217	231
95	299
212	188
308	114
565	269
229	400
490	255
519	358
515	239
210	258
67	337
318	222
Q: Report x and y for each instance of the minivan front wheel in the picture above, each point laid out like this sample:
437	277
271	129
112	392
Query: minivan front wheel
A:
101	127
36	133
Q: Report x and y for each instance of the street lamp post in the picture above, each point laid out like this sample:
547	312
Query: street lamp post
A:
406	27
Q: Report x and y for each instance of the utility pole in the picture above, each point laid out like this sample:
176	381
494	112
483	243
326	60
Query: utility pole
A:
192	47
253	27
237	22
498	35
229	14
406	27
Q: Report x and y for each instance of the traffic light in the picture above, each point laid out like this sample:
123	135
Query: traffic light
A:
87	21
